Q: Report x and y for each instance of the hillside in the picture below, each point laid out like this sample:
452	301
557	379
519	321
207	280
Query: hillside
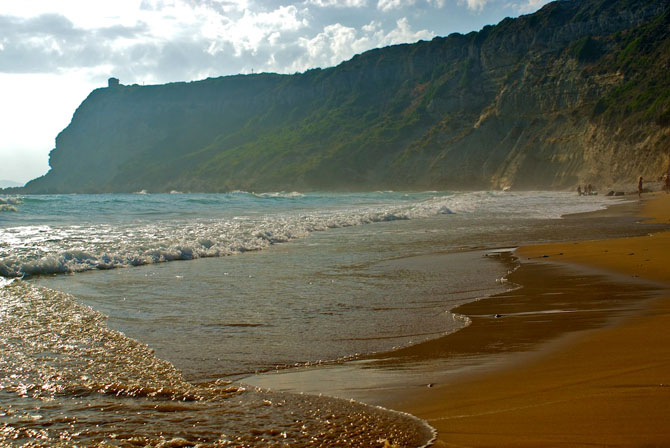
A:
578	92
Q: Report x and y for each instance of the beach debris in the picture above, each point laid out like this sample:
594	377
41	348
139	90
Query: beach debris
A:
430	385
497	316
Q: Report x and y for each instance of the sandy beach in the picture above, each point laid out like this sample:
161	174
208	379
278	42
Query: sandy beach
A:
597	314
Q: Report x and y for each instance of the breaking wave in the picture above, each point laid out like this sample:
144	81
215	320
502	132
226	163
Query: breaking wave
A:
249	225
9	204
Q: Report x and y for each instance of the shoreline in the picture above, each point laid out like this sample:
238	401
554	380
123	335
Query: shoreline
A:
485	384
607	383
476	356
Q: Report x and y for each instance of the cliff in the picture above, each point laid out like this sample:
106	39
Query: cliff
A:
578	92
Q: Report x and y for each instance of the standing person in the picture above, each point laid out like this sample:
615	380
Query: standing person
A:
666	183
579	190
639	188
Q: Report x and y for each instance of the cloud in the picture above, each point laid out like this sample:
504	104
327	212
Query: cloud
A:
403	33
531	6
50	42
219	6
476	5
173	40
388	5
162	50
253	30
337	42
338	3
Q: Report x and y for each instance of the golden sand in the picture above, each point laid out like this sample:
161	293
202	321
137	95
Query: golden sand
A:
646	257
607	383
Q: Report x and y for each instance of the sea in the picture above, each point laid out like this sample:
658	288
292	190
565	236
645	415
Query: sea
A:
133	319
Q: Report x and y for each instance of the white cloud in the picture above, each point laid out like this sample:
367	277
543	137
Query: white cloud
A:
475	5
338	3
403	34
388	5
371	27
252	30
531	6
337	43
83	13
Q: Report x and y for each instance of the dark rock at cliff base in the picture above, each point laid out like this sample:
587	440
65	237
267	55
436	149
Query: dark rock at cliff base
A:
578	92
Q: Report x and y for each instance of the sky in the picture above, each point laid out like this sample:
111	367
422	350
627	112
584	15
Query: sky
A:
53	53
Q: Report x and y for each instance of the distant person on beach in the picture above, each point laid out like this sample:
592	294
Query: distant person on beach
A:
579	190
666	183
589	189
639	188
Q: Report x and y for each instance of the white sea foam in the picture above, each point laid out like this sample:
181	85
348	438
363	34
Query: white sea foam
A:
9	203
279	194
6	281
49	249
11	200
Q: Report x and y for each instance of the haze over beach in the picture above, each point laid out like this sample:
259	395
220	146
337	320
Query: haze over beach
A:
327	223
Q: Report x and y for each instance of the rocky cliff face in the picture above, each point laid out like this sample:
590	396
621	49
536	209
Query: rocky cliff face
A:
578	92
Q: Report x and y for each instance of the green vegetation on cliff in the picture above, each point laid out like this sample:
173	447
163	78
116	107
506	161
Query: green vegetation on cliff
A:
577	92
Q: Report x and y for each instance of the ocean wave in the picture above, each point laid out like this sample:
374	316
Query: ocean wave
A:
280	194
9	200
35	250
57	250
9	203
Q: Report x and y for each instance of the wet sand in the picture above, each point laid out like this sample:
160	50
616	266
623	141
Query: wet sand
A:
589	332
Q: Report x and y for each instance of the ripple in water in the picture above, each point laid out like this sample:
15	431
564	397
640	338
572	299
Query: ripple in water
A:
68	380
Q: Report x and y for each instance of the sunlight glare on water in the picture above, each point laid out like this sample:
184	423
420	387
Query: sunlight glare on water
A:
68	380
